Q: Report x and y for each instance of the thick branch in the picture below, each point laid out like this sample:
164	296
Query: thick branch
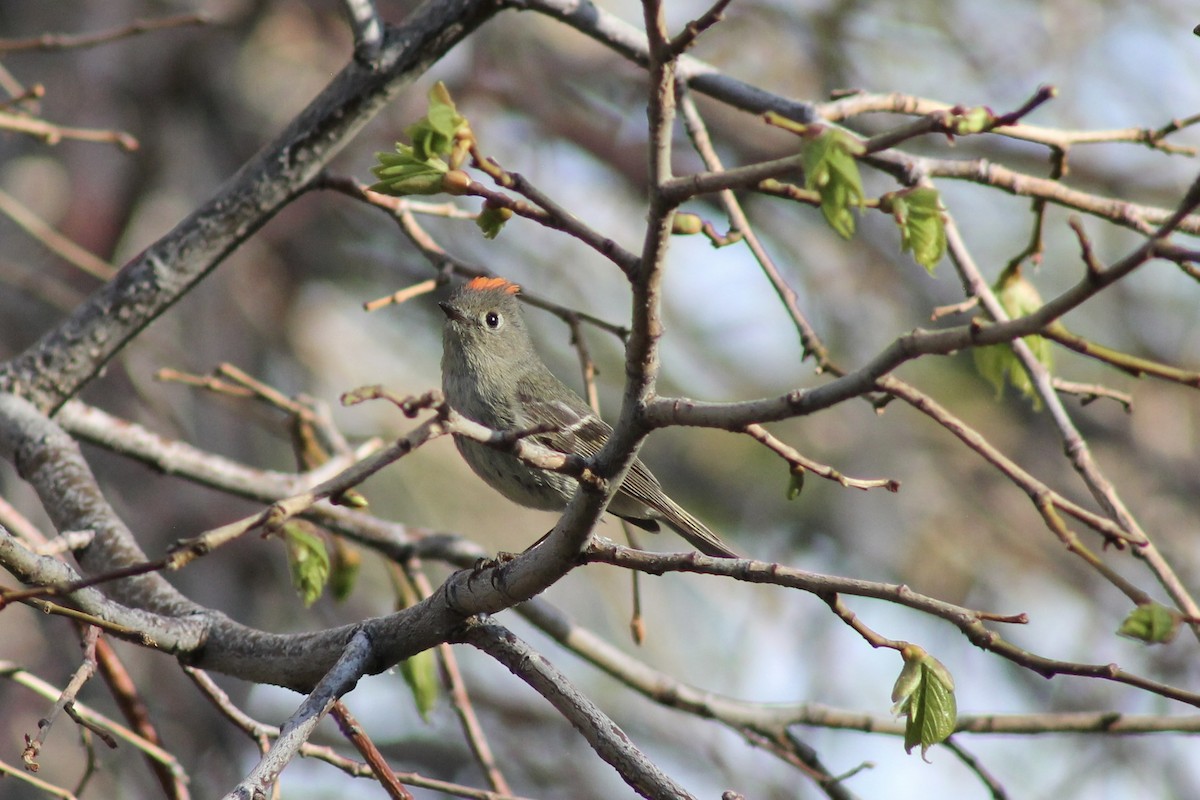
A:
71	354
608	740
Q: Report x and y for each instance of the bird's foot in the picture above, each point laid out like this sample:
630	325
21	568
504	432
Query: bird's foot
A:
500	559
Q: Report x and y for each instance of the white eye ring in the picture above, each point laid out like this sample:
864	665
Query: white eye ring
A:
493	319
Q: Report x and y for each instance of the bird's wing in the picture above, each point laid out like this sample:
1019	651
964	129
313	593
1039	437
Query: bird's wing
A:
580	431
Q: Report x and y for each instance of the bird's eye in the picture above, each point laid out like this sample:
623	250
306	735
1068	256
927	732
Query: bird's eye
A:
492	319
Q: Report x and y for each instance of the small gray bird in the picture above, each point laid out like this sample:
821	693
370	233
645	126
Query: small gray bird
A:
492	375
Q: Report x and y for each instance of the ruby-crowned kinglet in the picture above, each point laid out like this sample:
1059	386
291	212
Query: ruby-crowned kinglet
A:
492	375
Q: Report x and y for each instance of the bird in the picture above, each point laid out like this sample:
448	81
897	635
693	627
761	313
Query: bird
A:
492	374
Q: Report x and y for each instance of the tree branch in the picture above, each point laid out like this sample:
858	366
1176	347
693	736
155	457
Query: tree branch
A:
608	740
67	357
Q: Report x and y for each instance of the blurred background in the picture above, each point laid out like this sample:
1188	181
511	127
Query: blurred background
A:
569	115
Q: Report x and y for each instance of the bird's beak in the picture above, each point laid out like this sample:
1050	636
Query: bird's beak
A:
451	312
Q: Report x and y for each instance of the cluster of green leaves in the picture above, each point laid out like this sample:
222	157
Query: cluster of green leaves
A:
924	694
491	219
830	160
918	213
432	164
831	170
1152	623
314	567
404	173
440	141
998	363
318	562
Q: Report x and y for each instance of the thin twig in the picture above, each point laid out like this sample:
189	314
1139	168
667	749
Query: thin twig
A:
362	742
171	777
52	133
262	733
54	241
586	364
403	211
1126	362
404	295
460	698
993	785
14	672
810	342
968	622
66	41
1091	392
798	461
82	675
45	786
864	103
692	31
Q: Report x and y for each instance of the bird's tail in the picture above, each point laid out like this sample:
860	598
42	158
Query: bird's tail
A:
694	531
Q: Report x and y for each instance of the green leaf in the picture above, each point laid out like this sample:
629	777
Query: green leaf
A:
974	120
994	363
404	173
831	170
796	484
918	213
343	569
435	134
924	693
1152	623
491	220
1018	296
421	674
997	363
307	558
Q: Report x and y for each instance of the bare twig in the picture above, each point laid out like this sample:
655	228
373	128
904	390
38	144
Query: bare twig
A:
864	102
404	212
262	734
52	133
45	786
798	461
545	211
53	240
810	342
173	780
14	672
1126	362
968	622
362	742
403	295
1090	392
33	745
452	678
994	787
692	31
65	41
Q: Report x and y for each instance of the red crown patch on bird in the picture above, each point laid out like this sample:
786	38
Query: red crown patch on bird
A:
485	284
